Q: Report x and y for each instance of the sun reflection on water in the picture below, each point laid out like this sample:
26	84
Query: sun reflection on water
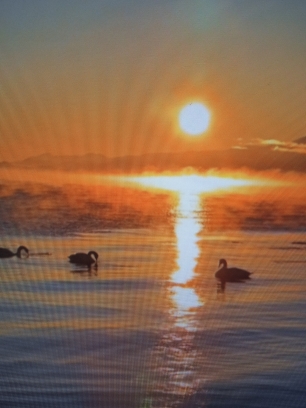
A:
186	301
186	230
177	372
176	354
176	357
184	298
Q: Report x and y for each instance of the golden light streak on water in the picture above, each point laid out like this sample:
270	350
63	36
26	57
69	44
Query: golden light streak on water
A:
186	230
177	367
185	301
189	189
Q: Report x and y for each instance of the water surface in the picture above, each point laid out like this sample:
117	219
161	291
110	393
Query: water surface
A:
151	328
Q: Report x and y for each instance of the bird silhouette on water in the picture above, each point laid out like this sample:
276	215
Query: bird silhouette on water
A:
82	259
7	253
225	274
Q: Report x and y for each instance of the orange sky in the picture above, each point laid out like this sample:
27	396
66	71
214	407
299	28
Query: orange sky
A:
111	79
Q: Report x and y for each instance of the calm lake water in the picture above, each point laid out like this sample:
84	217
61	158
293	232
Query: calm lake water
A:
150	327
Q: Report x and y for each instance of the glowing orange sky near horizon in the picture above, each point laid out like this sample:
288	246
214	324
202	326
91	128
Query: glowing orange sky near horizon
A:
111	80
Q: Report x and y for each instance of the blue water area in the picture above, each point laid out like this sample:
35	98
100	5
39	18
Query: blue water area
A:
72	368
129	335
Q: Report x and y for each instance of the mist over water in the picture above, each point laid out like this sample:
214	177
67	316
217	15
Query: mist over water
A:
149	328
46	210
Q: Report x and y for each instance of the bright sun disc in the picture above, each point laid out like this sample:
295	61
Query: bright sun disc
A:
194	118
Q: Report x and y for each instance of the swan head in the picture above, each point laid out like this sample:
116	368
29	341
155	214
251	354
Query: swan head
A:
223	262
20	249
94	255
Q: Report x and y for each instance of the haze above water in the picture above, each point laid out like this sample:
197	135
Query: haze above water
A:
151	328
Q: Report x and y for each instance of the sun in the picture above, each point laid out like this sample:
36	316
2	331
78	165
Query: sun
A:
194	118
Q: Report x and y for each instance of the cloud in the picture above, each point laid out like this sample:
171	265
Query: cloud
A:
277	145
239	147
295	149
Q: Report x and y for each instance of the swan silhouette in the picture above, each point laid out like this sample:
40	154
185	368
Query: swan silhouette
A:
83	259
6	253
226	274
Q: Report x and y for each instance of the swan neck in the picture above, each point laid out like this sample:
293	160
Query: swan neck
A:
223	263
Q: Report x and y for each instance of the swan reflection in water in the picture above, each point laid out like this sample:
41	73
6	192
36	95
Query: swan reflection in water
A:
225	274
81	271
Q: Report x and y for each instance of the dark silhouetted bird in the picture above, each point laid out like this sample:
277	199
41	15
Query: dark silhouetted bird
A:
231	274
83	259
6	253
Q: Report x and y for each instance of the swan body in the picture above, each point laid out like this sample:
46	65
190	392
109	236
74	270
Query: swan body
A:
231	274
83	259
7	253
